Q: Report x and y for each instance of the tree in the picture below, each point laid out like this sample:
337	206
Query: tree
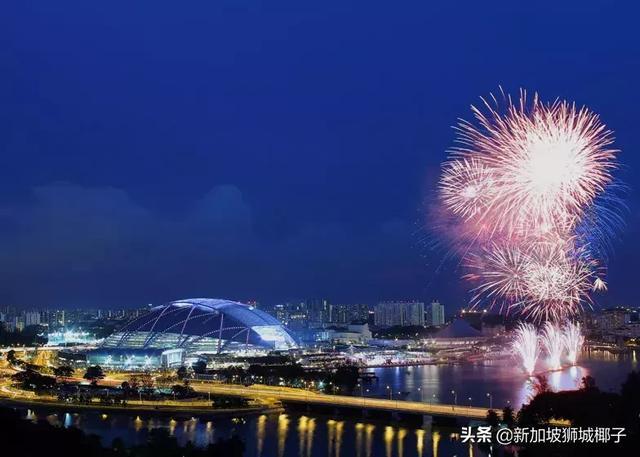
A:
166	380
134	381
181	391
11	356
630	395
492	418
200	367
63	371
147	380
94	373
30	379
541	385
588	383
182	372
508	417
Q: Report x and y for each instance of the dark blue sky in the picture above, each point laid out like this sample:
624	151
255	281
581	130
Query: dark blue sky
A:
270	150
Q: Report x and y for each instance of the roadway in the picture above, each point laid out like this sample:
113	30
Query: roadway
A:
285	394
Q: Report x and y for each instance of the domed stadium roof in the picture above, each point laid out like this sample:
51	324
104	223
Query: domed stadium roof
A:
203	325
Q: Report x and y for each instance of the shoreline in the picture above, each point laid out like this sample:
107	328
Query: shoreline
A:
192	411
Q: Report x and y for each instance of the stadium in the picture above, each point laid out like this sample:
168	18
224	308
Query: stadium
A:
189	328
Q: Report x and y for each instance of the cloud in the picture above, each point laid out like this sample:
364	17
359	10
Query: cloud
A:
96	246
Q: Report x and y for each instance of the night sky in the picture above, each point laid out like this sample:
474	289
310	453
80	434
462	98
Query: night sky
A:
271	150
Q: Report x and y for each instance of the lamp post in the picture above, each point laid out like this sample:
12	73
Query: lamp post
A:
433	398
455	397
421	394
490	397
390	392
469	402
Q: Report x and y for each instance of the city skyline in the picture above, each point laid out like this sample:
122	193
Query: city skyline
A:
298	229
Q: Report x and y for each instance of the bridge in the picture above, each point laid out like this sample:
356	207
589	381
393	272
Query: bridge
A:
292	395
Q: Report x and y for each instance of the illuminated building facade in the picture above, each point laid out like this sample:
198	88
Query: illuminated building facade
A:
192	327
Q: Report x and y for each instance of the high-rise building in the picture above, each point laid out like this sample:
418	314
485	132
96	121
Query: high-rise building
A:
435	314
405	313
319	312
340	314
359	313
31	318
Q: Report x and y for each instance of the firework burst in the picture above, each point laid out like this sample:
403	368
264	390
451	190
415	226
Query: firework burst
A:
527	347
544	164
545	280
525	187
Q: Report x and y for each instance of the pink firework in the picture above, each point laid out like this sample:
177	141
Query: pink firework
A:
518	187
539	166
527	346
543	280
573	340
553	344
467	187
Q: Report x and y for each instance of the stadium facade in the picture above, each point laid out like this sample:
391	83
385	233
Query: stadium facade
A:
194	327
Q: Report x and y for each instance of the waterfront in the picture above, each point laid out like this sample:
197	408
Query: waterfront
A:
502	379
289	435
284	435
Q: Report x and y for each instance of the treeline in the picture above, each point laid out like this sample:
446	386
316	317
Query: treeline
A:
587	407
29	336
342	378
28	439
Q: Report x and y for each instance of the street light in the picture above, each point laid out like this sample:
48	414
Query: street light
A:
469	402
433	398
390	392
490	397
421	394
455	397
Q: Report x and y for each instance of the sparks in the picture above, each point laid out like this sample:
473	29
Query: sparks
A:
553	343
573	341
527	347
526	189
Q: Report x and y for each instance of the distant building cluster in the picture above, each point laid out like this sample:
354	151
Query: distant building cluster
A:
614	325
13	319
321	320
317	314
399	313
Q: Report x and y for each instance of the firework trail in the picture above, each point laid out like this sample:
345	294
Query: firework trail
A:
553	343
573	340
527	347
526	190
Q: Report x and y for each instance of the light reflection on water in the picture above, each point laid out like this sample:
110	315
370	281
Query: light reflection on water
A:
419	442
503	379
275	435
294	435
283	428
